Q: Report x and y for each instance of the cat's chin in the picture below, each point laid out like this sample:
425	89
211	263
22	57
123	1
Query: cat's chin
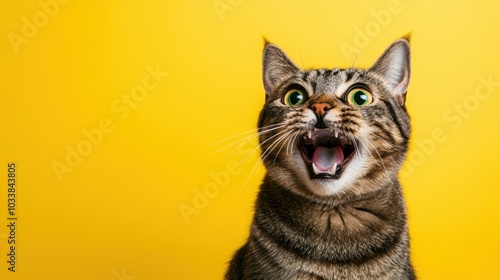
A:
326	153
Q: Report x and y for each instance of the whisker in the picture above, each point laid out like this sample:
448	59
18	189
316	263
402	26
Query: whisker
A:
293	139
353	140
277	141
262	157
383	140
275	144
299	133
239	146
356	57
387	143
257	164
246	138
245	132
267	152
249	138
260	145
372	147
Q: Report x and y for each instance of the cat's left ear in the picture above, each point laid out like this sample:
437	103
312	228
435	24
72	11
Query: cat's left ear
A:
276	67
394	67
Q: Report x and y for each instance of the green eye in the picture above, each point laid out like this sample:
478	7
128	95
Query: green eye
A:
359	97
294	97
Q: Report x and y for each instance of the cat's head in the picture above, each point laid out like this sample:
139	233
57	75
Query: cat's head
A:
330	132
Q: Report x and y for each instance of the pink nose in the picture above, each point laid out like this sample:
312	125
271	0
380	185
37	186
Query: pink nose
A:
320	108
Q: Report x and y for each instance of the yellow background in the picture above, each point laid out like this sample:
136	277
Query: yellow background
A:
117	214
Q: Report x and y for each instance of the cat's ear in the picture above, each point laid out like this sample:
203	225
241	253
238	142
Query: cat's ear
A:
276	67
394	67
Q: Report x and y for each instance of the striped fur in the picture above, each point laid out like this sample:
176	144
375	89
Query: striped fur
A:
349	227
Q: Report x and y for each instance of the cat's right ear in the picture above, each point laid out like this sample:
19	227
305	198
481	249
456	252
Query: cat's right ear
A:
394	67
276	67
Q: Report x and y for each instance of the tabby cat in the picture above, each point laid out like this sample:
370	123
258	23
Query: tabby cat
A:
333	141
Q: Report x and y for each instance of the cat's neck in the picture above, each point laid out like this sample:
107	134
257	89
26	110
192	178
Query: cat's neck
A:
374	200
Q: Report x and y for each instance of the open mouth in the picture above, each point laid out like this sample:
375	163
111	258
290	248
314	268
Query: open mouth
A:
326	152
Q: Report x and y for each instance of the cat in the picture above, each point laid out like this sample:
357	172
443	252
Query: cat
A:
333	141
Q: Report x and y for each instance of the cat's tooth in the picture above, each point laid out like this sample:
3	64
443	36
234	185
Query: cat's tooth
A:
315	169
336	133
309	133
334	169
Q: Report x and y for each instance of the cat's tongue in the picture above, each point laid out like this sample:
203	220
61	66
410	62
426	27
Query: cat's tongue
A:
324	158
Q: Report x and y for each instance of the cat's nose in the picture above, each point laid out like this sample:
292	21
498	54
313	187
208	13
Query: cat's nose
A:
320	108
